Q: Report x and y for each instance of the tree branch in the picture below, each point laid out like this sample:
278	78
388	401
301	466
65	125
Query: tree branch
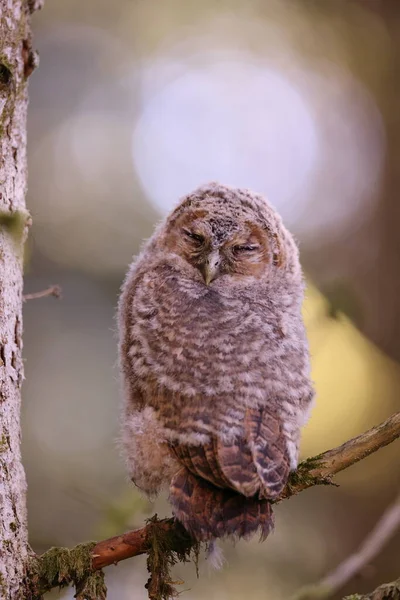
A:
320	469
371	546
386	591
53	290
314	471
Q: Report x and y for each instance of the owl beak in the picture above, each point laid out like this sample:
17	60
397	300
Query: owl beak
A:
211	267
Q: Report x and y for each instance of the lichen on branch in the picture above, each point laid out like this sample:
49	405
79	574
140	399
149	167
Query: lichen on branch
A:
387	591
61	567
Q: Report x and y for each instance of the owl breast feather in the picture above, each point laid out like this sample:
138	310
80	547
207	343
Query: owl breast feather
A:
195	342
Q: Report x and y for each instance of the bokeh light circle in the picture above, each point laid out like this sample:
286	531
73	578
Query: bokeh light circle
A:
311	140
235	122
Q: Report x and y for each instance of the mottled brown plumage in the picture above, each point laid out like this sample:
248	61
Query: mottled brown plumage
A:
215	362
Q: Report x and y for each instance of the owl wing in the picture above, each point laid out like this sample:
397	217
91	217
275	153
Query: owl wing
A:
258	462
267	442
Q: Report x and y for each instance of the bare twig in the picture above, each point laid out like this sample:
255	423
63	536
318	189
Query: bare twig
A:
314	471
371	546
384	529
53	290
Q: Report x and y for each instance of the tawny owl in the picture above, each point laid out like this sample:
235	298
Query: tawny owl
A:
215	362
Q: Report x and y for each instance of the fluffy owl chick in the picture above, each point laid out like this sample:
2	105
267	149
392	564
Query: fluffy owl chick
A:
215	362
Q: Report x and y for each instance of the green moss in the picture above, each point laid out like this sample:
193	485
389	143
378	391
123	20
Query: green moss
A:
92	588
13	527
303	478
60	567
14	222
6	73
4	443
167	545
387	591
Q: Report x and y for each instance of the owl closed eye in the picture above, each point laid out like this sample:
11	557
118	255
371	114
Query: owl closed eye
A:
218	246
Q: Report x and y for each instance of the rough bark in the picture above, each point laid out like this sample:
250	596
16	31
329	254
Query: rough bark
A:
16	63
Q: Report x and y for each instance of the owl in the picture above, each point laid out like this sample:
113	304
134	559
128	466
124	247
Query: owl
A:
215	362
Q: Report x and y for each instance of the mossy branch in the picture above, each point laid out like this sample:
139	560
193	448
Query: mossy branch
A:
61	567
166	542
387	591
163	553
320	469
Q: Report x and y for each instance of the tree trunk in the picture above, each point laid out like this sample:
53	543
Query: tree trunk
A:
16	63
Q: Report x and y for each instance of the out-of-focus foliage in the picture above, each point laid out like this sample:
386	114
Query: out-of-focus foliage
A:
134	104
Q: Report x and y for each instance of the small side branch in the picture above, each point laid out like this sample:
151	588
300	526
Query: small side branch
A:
53	290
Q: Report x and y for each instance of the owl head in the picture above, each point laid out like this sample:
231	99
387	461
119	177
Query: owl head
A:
232	233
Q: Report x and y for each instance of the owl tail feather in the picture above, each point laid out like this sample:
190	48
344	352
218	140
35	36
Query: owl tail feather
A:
208	512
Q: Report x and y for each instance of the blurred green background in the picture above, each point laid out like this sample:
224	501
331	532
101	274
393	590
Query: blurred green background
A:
137	102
